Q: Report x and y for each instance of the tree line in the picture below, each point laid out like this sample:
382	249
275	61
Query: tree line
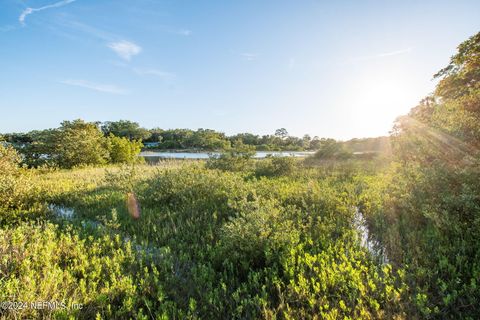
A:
182	139
200	139
92	143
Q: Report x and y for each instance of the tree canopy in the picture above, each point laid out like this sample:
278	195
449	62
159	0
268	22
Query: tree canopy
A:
125	128
74	143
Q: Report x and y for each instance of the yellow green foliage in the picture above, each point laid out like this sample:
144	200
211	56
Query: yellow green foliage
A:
14	184
209	244
122	150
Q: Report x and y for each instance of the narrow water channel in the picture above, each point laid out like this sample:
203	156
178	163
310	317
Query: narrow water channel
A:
366	241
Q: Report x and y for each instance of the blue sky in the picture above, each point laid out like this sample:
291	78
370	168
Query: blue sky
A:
338	69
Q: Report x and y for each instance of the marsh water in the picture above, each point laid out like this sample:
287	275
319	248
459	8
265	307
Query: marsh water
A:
154	155
374	247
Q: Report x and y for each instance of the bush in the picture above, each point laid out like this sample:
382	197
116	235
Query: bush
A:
14	184
330	149
238	158
122	150
340	282
257	237
275	166
428	220
79	143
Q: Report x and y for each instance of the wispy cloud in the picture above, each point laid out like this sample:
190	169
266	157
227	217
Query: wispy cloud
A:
125	49
29	10
154	72
106	88
249	56
166	76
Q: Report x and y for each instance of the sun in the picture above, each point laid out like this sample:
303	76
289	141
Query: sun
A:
376	100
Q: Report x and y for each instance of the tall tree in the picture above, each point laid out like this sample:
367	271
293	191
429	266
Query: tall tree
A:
282	133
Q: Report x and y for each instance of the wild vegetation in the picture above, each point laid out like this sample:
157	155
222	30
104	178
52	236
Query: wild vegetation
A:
426	208
74	143
235	237
209	244
36	143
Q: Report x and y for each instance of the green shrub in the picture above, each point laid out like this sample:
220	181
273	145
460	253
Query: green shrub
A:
14	183
79	143
330	149
122	150
228	162
238	158
428	221
340	282
275	166
257	237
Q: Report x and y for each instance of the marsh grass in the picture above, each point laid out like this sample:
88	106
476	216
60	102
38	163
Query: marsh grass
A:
208	244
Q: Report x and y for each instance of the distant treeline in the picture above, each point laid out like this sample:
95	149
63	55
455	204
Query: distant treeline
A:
205	139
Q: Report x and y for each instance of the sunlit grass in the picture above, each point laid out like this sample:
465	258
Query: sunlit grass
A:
208	244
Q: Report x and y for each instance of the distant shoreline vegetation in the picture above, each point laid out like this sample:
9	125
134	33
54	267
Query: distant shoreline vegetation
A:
78	142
